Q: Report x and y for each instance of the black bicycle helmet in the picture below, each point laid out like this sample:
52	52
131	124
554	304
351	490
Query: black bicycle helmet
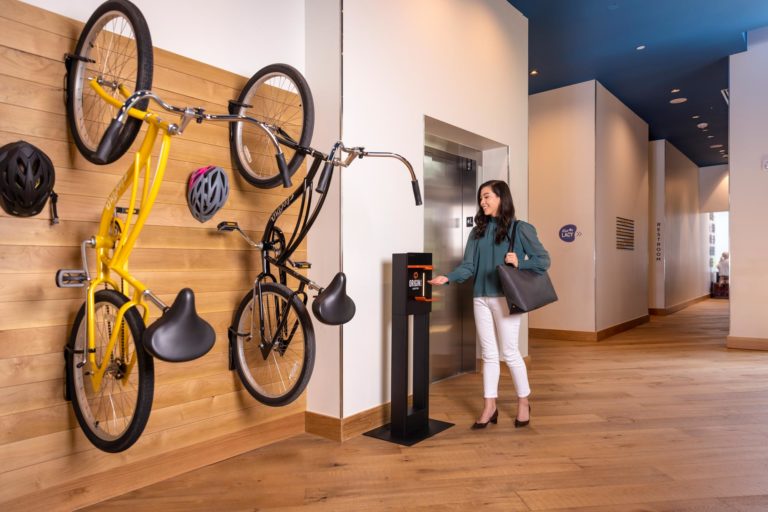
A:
26	179
207	191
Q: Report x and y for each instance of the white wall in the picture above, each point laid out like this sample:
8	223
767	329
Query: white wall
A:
241	36
323	72
657	234
464	63
589	164
713	188
681	272
748	148
621	178
562	191
687	242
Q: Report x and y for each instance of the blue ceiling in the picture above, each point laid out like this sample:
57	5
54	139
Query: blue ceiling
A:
687	44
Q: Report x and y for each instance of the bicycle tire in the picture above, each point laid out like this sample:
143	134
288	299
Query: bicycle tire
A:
123	403
279	95
277	379
115	24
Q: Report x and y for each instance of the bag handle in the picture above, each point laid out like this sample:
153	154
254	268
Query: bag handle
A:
512	238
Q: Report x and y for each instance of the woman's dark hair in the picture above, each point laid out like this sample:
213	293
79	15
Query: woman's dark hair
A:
506	213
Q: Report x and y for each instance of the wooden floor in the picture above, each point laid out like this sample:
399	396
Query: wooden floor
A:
659	418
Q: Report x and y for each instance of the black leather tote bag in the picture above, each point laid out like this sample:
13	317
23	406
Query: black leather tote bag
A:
525	290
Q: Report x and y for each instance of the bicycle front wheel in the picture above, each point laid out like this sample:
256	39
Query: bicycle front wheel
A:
116	49
113	416
279	96
276	367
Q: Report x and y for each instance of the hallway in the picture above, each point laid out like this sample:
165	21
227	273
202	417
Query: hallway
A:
660	418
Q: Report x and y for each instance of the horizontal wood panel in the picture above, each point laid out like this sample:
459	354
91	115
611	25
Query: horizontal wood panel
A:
30	479
197	403
64	154
74	494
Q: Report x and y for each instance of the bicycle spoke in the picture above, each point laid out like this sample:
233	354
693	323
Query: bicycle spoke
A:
281	373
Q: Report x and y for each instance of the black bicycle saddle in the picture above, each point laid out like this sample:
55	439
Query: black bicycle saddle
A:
180	334
332	306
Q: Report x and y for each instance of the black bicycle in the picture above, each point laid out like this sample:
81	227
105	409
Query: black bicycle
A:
272	340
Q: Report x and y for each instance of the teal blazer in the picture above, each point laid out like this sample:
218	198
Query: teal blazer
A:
481	256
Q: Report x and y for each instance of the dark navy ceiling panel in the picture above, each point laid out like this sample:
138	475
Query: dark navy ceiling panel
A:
687	44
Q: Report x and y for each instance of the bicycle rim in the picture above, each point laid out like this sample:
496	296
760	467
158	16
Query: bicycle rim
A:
281	376
113	416
279	96
117	40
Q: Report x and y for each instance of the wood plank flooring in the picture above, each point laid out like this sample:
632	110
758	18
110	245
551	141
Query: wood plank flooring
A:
661	418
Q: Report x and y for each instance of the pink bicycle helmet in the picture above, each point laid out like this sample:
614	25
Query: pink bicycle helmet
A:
207	191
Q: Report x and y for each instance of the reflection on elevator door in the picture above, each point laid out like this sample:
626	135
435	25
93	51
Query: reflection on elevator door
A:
449	210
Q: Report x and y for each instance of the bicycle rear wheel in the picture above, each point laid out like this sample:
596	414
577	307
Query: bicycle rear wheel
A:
114	416
280	96
115	48
274	370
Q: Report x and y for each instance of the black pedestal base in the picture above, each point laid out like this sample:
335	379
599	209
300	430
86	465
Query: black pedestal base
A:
385	434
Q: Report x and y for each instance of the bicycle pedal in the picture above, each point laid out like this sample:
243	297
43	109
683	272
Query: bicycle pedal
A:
302	264
227	226
71	278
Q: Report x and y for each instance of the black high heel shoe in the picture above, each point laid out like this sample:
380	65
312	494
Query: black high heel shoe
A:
494	419
525	423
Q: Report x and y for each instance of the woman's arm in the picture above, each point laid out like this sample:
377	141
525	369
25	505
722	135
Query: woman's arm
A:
538	257
466	268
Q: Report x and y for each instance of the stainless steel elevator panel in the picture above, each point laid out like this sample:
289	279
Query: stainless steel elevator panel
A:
449	209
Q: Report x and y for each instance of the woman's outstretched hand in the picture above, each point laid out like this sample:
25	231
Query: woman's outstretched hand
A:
437	281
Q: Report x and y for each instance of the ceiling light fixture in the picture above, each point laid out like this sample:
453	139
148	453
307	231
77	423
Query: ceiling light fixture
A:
675	90
675	101
534	72
710	136
715	146
695	117
702	125
641	47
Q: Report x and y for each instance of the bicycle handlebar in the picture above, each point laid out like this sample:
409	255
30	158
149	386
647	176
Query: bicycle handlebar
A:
359	152
108	142
126	109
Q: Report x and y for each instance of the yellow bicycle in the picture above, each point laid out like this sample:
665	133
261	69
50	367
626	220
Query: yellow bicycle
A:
109	365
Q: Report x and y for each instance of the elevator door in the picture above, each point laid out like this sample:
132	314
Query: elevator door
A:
450	207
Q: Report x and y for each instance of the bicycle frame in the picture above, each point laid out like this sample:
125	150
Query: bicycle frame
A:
304	223
118	237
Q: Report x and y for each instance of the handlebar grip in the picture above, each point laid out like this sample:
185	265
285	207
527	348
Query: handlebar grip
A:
283	166
325	178
416	192
107	142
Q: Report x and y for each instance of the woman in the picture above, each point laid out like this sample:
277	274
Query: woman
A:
487	247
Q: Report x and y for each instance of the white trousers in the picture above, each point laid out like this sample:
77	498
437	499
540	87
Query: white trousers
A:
497	328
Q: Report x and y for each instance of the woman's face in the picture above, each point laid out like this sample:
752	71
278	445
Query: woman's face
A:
489	201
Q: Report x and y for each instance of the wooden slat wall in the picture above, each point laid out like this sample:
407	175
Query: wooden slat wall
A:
46	460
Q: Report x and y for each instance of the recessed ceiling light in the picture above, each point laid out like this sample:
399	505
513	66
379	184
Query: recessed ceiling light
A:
675	90
695	117
534	72
640	47
705	130
702	125
725	155
710	136
722	151
675	101
715	146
